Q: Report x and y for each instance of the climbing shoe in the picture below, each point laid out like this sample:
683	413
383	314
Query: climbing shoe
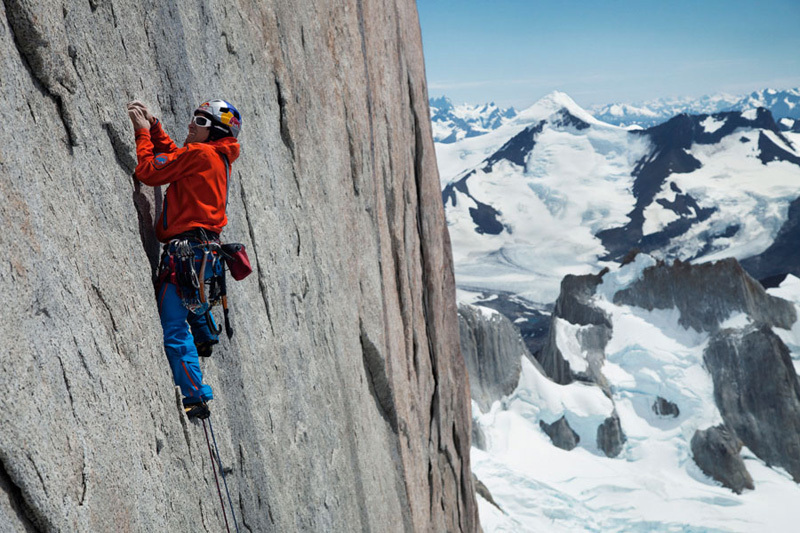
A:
205	349
197	410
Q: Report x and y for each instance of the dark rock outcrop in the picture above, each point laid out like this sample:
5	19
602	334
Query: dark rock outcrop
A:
610	437
478	436
483	491
485	217
574	306
664	407
561	434
756	387
758	393
532	322
342	401
517	149
492	349
726	289
716	452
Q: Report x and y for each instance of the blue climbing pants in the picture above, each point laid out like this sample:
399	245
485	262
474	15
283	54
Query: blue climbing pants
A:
179	324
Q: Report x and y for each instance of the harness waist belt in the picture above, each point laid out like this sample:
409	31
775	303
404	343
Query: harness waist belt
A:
198	234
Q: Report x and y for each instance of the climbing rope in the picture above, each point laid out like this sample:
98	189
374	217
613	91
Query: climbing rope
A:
221	502
222	471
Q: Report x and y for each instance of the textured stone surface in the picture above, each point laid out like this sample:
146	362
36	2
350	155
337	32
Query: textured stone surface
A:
574	305
664	407
342	401
478	436
493	350
758	393
725	287
483	491
610	437
561	434
532	322
716	452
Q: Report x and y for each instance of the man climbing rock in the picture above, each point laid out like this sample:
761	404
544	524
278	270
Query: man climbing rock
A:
191	219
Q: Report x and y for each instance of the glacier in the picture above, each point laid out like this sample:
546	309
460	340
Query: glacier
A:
653	485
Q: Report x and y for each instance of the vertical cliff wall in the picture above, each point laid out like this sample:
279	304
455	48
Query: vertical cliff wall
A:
342	401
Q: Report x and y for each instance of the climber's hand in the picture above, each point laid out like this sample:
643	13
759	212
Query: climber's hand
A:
138	117
147	114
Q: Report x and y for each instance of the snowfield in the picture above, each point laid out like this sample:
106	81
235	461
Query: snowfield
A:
654	484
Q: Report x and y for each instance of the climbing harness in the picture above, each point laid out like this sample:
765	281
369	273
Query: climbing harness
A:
198	291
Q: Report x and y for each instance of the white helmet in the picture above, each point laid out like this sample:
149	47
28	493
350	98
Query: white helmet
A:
224	116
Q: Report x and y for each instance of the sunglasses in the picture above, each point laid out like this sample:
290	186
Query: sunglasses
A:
201	121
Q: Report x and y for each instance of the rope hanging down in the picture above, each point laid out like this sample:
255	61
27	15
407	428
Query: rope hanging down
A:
222	471
211	455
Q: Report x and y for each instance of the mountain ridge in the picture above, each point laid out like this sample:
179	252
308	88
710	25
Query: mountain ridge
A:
661	190
781	103
452	123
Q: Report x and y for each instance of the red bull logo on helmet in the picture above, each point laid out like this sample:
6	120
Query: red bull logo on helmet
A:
229	119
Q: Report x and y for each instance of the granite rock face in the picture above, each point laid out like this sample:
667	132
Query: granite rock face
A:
342	401
610	437
716	452
574	306
726	289
758	393
492	349
561	434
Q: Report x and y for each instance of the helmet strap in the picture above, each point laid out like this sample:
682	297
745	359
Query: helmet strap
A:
218	132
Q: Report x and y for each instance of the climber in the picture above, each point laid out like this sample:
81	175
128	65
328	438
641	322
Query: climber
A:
192	217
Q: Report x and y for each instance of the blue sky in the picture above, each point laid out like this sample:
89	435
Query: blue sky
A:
514	52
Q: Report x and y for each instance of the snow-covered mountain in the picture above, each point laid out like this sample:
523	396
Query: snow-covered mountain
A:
453	123
782	104
562	193
676	408
652	112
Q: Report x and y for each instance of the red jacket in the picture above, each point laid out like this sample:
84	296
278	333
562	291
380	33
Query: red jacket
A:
197	175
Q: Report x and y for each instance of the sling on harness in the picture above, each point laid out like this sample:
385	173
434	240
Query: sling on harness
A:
199	291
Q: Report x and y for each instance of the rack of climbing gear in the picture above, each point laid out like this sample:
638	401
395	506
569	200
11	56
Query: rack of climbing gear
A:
198	291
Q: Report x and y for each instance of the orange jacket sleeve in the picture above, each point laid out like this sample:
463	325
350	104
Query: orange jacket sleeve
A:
165	168
162	143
